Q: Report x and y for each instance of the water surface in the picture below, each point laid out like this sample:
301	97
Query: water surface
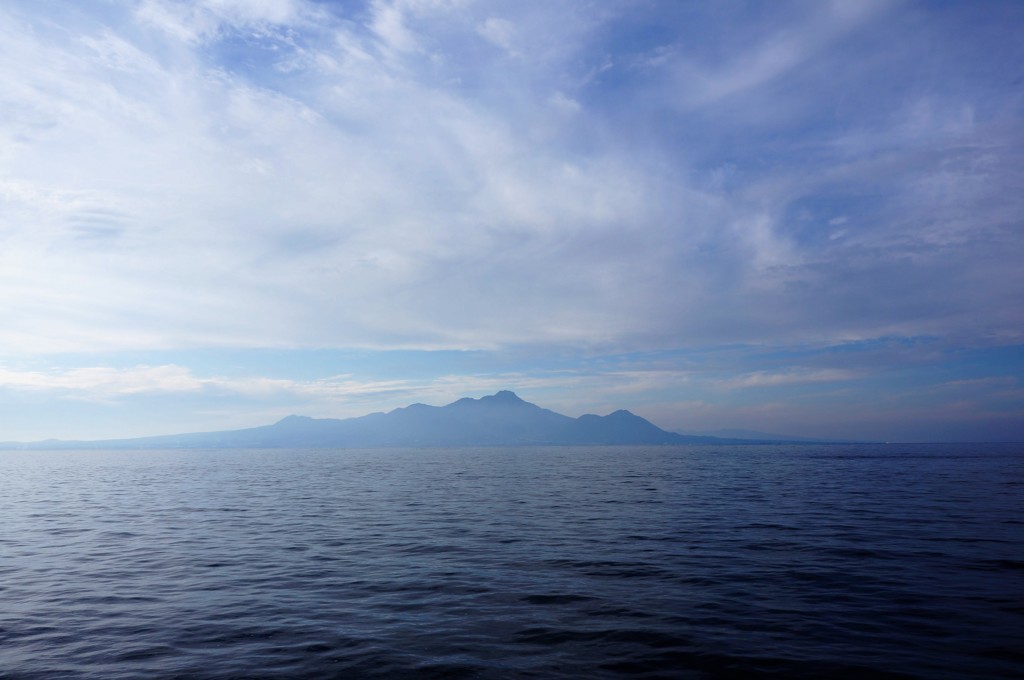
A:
659	562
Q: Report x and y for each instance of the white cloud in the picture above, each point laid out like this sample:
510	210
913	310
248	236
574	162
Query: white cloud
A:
389	25
219	183
103	382
565	104
250	11
794	377
194	22
782	50
500	32
333	396
230	173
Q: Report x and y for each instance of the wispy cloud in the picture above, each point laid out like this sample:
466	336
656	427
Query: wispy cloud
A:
799	377
104	382
796	41
283	173
444	174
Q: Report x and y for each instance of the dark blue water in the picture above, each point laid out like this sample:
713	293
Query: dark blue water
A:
659	562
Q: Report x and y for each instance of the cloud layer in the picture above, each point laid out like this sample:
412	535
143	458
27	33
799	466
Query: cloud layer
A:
459	174
532	178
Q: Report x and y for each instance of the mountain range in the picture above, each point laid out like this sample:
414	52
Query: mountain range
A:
501	419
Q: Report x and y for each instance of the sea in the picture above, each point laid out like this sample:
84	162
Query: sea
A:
788	561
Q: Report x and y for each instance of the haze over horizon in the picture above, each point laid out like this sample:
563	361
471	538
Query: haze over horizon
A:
793	217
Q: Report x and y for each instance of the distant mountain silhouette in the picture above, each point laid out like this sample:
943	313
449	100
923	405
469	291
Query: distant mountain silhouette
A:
501	419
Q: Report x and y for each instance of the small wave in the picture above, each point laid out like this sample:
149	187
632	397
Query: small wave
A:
556	599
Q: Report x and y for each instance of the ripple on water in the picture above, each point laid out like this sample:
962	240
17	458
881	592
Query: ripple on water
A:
645	562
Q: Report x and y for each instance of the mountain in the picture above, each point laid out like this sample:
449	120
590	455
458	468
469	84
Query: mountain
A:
501	419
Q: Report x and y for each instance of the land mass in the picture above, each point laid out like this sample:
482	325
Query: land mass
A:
501	419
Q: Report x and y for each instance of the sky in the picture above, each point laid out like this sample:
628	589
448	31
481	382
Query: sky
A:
803	217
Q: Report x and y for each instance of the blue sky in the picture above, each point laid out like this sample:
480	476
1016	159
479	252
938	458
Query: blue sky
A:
803	217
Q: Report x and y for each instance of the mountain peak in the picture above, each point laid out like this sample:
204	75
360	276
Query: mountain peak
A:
293	420
500	398
504	396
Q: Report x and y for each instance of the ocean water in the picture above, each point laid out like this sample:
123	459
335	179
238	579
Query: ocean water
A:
650	562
